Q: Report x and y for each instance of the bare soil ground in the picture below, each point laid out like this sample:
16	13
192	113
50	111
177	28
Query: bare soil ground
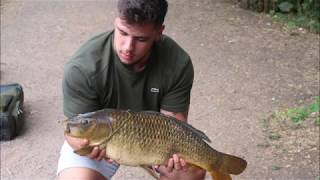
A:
246	69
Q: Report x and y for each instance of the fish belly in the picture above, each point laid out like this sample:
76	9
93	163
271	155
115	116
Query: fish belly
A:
132	155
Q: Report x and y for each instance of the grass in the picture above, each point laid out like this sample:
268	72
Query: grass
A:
297	115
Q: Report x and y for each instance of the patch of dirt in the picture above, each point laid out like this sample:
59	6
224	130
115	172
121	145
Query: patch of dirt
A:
287	143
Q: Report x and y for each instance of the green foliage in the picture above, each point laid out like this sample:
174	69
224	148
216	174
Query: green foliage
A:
318	121
314	107
291	24
298	13
286	6
299	114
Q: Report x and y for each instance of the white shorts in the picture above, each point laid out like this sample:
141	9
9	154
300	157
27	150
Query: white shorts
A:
69	159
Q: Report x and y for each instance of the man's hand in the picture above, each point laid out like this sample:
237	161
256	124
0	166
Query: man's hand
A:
177	168
174	163
78	143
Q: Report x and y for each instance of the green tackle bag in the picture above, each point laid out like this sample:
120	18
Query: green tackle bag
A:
11	110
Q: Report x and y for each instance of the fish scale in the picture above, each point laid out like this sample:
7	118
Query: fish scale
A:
150	138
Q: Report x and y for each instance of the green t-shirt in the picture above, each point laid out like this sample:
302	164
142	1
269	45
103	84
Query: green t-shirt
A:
95	79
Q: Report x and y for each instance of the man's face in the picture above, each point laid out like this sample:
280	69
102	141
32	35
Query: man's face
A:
133	42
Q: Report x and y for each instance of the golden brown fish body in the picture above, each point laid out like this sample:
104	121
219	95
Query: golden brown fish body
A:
150	138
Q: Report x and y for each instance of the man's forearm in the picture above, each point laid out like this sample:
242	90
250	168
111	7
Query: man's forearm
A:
183	116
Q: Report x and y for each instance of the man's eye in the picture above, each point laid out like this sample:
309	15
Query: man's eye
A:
141	39
123	33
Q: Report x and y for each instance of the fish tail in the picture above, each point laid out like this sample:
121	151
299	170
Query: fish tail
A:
228	164
216	175
232	165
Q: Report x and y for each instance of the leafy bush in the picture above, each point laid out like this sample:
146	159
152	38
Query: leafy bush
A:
296	13
301	13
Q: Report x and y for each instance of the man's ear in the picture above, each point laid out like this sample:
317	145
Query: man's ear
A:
159	32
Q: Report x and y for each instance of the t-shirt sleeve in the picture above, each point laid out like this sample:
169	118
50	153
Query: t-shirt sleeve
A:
78	94
177	99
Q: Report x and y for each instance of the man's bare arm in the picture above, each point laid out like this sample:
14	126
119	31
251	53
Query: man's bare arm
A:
183	116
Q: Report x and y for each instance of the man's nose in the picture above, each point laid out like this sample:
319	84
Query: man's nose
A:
128	44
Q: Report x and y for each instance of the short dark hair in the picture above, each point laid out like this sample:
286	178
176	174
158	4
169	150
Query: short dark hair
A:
140	11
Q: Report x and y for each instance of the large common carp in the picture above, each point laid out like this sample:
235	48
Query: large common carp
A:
150	138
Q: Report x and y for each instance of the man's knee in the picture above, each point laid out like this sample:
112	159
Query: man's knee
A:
80	173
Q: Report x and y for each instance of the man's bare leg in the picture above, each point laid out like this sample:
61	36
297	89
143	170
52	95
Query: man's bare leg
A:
80	173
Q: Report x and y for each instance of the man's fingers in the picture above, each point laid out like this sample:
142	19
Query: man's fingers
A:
162	170
101	155
170	165
183	164
176	161
94	153
109	160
